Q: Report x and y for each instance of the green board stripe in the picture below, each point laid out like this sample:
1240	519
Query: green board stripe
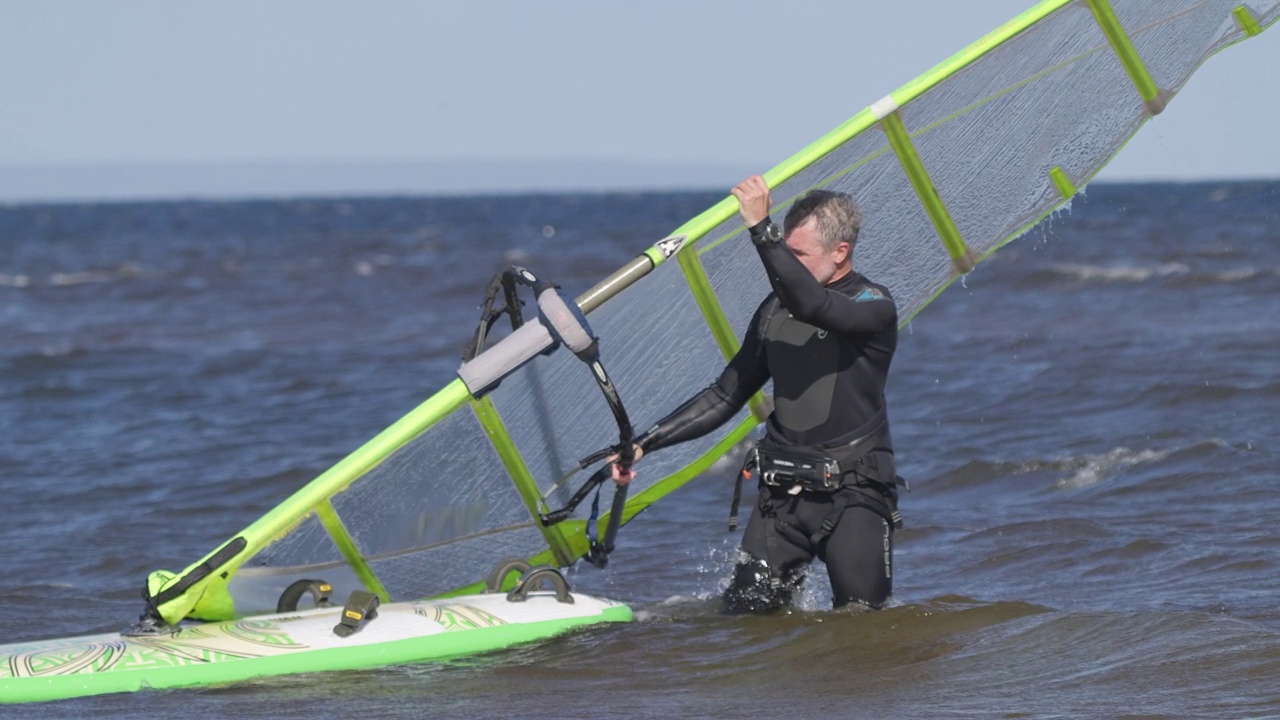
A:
513	461
347	546
440	646
1128	55
946	228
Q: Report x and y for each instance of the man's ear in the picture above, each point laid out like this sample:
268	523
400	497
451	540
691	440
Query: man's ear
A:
843	251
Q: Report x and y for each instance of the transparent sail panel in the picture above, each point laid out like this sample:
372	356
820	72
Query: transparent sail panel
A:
448	484
309	544
656	359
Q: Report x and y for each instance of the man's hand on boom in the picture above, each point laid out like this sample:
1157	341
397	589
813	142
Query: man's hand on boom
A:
753	200
620	476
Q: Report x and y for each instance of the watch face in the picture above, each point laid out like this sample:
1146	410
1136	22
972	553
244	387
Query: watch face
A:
773	232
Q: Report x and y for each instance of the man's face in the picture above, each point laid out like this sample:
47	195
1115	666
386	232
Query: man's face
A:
824	265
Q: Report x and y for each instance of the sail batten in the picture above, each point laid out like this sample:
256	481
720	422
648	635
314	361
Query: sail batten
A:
924	188
1123	46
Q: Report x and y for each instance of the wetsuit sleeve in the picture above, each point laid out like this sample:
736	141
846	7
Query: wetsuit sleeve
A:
808	301
743	377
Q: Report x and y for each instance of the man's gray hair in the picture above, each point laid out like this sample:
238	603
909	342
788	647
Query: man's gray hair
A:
836	215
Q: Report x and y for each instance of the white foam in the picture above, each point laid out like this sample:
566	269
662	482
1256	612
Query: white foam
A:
1097	467
79	278
1089	273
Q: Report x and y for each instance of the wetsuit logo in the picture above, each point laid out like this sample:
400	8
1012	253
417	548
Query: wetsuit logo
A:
822	334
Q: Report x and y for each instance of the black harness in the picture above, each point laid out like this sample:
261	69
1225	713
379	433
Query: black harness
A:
860	473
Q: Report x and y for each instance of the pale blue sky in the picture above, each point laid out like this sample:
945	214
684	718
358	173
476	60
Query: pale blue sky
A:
738	84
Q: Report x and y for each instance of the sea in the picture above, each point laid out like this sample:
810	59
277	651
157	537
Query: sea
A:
1089	421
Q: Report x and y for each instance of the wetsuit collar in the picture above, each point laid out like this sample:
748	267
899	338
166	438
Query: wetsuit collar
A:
850	278
835	280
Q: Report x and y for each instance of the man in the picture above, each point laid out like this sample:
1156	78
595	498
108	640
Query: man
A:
827	480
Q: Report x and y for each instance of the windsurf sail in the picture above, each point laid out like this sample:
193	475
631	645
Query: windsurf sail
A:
947	169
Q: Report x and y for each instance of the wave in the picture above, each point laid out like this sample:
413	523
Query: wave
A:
38	362
1075	470
898	636
1177	273
1100	273
183	278
1092	469
1115	659
71	278
1211	392
1123	470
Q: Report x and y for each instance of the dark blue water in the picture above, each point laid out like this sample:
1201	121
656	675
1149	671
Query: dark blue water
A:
1089	421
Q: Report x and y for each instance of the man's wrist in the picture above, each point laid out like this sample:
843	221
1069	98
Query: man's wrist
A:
765	232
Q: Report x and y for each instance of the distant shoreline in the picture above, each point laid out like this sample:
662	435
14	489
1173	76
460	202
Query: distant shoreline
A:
116	182
170	182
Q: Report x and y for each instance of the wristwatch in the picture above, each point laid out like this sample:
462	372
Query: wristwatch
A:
765	232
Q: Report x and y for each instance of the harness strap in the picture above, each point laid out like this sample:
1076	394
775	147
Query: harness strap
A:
856	496
770	539
737	497
839	503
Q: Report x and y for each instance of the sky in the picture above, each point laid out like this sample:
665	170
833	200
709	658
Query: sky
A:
138	97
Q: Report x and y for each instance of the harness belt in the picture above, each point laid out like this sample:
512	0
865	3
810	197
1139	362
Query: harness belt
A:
855	474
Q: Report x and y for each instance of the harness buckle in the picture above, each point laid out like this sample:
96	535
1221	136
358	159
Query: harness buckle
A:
797	470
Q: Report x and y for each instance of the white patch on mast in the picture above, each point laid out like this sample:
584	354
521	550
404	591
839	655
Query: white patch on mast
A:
884	107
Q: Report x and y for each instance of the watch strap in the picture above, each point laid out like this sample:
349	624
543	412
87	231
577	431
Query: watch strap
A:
765	232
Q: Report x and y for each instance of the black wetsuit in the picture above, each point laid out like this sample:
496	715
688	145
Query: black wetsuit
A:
828	350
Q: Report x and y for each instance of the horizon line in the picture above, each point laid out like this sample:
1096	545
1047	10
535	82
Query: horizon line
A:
193	181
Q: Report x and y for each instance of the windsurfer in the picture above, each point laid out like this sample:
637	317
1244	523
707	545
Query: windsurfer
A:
827	482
